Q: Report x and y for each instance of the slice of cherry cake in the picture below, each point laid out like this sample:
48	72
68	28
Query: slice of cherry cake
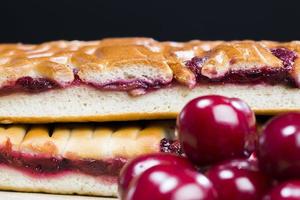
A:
119	79
73	159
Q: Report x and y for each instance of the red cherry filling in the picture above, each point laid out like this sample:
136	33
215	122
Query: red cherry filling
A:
35	85
287	56
37	165
170	182
195	65
215	128
123	85
239	180
263	75
171	146
137	166
289	190
279	147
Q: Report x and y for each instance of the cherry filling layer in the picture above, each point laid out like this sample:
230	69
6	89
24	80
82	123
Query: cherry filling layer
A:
36	85
130	85
266	74
29	84
41	165
122	85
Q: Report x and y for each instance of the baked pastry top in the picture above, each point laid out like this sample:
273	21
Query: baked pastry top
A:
140	64
77	142
76	158
96	150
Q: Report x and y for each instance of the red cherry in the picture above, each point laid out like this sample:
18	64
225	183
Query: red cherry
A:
170	182
289	190
138	165
216	128
239	179
253	157
279	147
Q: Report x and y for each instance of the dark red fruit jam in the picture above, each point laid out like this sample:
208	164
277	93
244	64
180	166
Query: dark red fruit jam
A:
195	65
288	57
171	146
77	80
110	167
28	84
35	85
263	75
50	165
131	85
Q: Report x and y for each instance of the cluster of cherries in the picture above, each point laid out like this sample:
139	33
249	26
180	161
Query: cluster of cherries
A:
225	157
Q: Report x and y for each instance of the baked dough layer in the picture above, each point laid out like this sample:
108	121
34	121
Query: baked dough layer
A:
68	183
83	103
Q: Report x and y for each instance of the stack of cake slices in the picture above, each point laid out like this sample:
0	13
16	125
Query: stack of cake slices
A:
73	113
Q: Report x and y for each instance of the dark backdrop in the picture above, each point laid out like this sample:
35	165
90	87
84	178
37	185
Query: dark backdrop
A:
43	20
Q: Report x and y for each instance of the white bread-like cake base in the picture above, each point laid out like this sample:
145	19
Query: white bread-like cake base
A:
84	103
67	183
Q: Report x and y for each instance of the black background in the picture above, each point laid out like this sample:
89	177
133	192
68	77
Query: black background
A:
37	21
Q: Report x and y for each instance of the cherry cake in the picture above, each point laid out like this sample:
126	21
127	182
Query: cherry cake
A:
141	78
126	79
73	159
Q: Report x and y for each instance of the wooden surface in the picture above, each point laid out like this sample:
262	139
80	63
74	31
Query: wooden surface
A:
38	196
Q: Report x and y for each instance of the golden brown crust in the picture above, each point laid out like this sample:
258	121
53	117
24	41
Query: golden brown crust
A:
112	60
91	118
236	56
84	141
123	117
128	41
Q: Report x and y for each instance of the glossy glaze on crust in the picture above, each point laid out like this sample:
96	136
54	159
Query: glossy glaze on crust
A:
143	64
92	150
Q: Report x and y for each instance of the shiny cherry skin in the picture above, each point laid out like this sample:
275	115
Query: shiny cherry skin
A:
138	165
279	147
170	182
216	128
239	179
253	157
289	190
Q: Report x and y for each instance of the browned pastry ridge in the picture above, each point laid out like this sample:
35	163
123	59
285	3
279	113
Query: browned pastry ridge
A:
140	78
68	159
